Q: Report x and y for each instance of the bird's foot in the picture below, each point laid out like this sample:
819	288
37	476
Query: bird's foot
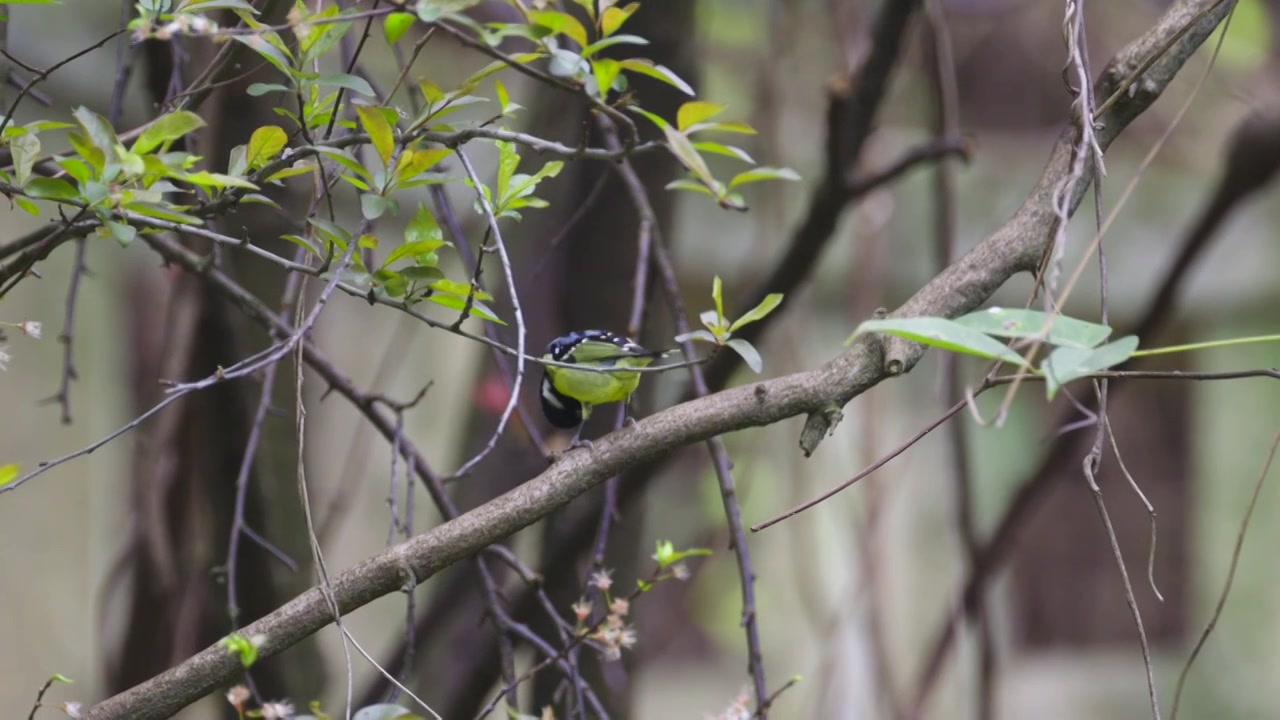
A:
629	421
557	454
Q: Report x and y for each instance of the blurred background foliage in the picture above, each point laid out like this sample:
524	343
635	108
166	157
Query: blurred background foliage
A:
851	593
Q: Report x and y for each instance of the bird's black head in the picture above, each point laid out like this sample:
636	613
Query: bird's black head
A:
563	345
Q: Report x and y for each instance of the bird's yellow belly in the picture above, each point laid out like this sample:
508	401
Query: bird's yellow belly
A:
596	388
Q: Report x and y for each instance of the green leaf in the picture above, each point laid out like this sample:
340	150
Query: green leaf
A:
30	207
763	173
166	129
666	554
43	125
122	232
51	189
562	23
696	111
354	83
613	17
422	273
1072	363
332	232
653	117
259	199
717	294
1031	324
9	472
373	206
264	145
568	64
413	249
609	42
759	312
503	98
163	212
656	71
258	89
396	25
945	334
237	644
523	185
97	129
302	243
508	160
727	150
687	155
749	354
208	179
423	227
687	184
268	50
413	164
455	302
433	10
734	127
343	158
375	123
606	72
25	149
702	335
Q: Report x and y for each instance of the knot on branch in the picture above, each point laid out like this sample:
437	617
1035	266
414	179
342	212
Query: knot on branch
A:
817	426
900	355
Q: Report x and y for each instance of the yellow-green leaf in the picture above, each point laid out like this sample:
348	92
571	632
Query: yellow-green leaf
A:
205	178
265	144
375	123
9	473
687	154
696	111
606	71
658	72
561	22
613	18
396	25
417	162
25	149
166	129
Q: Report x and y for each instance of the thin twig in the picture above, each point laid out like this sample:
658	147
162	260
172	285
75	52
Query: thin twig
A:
42	75
501	246
1231	574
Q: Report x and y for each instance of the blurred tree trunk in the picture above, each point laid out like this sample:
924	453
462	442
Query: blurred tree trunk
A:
189	456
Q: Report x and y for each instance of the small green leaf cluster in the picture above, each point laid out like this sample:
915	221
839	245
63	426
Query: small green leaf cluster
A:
670	563
515	190
574	52
106	178
692	118
719	329
244	647
1078	345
